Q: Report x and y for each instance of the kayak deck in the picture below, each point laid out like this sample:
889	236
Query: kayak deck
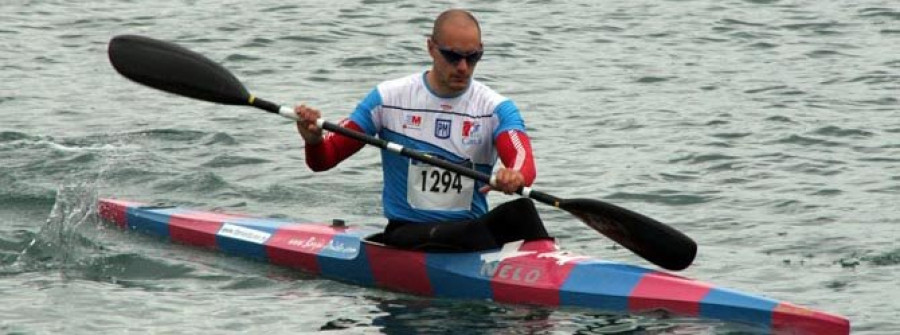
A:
533	272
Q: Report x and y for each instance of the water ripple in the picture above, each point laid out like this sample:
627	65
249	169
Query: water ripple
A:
196	182
841	132
227	161
666	197
806	141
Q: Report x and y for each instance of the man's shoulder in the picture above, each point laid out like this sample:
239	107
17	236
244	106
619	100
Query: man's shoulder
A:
482	91
480	87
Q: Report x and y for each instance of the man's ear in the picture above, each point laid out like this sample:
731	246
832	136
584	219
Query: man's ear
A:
429	43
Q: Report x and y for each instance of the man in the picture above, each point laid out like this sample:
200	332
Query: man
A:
447	114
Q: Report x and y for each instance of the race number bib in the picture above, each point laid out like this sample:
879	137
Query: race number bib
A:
433	188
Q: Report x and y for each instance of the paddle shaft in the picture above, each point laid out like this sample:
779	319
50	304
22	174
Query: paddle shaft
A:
287	112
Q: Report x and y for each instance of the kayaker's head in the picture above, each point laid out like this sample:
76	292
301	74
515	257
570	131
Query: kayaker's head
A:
455	46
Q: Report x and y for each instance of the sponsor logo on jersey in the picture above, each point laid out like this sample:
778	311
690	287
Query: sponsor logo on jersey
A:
412	121
442	128
471	133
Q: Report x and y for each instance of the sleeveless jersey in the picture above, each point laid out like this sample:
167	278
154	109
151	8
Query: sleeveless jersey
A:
458	129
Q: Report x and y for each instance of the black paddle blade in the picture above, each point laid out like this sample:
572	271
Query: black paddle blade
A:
654	241
172	68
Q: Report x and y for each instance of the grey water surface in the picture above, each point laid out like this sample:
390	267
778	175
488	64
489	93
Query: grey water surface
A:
767	130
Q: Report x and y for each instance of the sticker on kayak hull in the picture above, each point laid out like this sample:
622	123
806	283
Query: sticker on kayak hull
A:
243	233
331	246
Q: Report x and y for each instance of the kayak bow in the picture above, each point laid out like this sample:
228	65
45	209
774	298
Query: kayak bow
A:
533	272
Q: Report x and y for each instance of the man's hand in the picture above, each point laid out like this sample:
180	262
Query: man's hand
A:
506	180
309	131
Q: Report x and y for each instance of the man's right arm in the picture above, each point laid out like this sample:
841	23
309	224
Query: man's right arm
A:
324	152
332	149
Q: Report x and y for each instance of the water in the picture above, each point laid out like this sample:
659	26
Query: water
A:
766	130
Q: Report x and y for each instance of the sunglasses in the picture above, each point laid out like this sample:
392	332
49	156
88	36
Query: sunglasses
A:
454	57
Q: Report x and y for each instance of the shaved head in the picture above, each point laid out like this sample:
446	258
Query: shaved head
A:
452	17
455	47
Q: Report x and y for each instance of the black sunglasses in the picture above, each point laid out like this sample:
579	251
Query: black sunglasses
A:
454	57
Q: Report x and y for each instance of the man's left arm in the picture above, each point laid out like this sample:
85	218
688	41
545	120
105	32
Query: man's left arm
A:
514	149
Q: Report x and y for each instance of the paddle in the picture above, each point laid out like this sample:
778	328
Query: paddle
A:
172	68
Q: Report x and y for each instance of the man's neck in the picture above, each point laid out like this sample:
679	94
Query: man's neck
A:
437	89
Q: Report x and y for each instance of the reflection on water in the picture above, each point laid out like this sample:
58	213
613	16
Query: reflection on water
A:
437	316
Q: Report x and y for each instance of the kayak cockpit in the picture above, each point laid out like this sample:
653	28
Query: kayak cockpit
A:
379	240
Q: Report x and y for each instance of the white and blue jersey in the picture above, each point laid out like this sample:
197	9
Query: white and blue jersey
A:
458	129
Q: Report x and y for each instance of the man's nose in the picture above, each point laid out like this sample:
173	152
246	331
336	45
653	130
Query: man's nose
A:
463	65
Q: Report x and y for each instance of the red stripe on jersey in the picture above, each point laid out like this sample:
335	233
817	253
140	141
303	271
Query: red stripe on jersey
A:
514	149
333	149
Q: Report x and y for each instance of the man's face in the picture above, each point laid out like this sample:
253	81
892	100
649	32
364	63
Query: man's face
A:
454	54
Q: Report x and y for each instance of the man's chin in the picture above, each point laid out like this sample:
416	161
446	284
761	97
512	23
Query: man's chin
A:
459	85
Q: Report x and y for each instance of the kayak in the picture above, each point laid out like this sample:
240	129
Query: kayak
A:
523	272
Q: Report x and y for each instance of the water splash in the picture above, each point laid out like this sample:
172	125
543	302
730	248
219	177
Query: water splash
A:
64	241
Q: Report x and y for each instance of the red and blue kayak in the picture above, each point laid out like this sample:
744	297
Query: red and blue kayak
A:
533	272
